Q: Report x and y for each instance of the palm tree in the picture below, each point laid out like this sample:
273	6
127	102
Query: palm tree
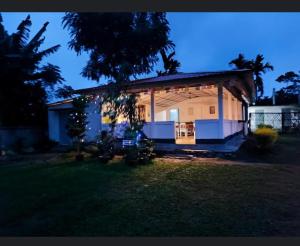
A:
258	68
170	64
240	62
24	80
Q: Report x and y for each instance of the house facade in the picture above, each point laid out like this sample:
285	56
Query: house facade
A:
278	116
184	108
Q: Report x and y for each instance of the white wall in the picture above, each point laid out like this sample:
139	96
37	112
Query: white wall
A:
190	109
274	120
53	125
161	116
93	127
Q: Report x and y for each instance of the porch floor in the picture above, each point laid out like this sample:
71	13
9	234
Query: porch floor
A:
186	140
232	145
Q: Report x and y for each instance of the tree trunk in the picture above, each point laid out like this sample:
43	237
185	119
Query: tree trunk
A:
78	146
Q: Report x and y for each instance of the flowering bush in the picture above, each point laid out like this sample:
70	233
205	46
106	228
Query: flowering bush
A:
265	137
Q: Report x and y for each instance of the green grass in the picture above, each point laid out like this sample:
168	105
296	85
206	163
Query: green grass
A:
160	199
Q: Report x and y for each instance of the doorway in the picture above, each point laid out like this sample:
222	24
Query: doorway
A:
174	115
185	132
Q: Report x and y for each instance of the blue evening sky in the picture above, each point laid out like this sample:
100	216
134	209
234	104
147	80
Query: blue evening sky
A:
204	42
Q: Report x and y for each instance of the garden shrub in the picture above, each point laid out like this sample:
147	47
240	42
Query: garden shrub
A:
265	137
264	126
45	144
140	153
106	146
142	149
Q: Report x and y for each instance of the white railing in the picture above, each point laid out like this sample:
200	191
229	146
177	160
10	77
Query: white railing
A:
207	129
160	129
153	130
231	127
119	129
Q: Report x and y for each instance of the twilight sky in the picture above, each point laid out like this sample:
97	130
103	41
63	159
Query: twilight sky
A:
204	42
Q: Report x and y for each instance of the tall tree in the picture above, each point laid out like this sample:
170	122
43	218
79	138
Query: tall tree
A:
171	65
257	66
24	80
292	81
120	45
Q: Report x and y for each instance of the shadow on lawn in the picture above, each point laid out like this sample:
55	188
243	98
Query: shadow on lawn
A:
285	151
164	199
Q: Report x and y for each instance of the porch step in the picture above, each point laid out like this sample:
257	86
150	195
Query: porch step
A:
203	150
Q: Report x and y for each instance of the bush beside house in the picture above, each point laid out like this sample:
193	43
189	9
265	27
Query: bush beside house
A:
265	137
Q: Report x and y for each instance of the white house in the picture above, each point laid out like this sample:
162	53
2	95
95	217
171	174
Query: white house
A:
278	116
184	108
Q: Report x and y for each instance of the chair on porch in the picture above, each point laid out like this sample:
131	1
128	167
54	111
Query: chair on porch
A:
190	129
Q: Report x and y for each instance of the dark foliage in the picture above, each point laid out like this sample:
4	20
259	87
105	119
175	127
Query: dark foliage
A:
24	80
292	90
77	121
45	144
282	97
142	149
120	44
170	64
257	66
106	147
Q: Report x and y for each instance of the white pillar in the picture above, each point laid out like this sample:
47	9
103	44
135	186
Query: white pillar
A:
220	110
152	105
53	125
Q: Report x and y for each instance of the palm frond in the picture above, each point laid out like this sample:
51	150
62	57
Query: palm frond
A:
37	36
21	36
47	52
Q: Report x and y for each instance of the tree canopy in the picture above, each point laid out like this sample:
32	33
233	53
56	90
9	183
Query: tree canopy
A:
292	89
292	80
121	46
171	65
25	79
258	67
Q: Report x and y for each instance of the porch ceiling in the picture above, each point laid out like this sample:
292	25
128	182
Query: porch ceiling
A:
165	98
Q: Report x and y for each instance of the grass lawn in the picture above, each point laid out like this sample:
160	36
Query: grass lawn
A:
165	198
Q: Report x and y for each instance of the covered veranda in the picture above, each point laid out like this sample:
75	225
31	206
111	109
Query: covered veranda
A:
196	110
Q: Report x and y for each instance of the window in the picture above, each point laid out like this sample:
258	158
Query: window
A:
212	109
174	115
191	111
